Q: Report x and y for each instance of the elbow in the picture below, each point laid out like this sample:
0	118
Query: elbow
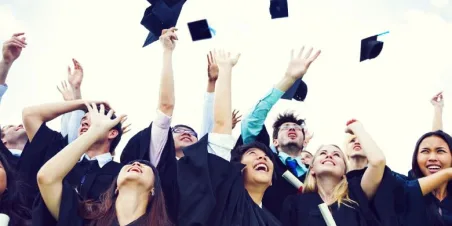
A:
166	108
379	162
45	178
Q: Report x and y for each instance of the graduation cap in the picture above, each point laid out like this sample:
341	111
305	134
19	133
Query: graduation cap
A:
160	16
200	30
371	47
298	91
278	9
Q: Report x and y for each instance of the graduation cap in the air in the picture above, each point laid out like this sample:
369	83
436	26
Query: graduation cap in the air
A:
200	30
298	91
160	16
279	9
371	47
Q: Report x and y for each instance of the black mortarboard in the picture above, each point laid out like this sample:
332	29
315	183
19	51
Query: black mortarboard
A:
199	30
298	91
371	47
278	9
160	16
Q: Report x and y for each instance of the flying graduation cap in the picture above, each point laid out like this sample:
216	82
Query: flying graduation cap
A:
298	91
160	15
278	9
200	30
371	47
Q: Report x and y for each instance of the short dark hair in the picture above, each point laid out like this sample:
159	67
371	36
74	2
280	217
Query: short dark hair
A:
114	143
284	118
237	153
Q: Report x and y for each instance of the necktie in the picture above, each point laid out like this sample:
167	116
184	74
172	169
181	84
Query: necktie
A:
87	167
292	166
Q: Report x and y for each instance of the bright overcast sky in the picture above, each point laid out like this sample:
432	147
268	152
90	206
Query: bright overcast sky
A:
390	94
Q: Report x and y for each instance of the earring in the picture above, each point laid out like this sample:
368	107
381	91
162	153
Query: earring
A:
152	192
116	191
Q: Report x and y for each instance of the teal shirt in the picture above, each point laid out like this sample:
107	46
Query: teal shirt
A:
253	123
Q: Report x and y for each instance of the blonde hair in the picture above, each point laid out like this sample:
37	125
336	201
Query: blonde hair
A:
340	192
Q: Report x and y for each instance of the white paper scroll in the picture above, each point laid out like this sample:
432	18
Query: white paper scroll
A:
327	215
293	180
4	219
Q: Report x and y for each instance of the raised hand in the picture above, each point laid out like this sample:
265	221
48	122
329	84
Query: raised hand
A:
125	129
352	125
225	59
65	91
75	77
437	100
236	118
168	38
12	48
212	67
299	63
308	136
101	121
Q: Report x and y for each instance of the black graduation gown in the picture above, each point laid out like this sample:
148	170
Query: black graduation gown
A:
12	159
276	194
303	210
69	211
46	144
138	148
212	192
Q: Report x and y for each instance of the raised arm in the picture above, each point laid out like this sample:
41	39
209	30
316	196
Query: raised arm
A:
377	162
297	68
52	173
11	50
438	105
212	76
434	181
222	106
34	116
70	121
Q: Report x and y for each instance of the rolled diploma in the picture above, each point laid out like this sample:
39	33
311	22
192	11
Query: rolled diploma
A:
293	180
4	219
327	215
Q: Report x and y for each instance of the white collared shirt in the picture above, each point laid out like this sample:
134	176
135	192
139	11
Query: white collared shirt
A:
102	159
15	152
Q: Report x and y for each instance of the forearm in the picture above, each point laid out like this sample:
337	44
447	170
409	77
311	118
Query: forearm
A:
211	86
222	103
166	97
77	92
285	83
4	69
437	119
207	117
432	182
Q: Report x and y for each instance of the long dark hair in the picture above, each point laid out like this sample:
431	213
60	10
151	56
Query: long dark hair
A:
13	200
433	214
103	212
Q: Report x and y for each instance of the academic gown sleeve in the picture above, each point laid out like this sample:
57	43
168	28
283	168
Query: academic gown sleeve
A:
68	215
212	192
45	144
12	159
262	137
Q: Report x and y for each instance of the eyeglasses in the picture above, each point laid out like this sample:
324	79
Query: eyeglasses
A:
184	130
290	126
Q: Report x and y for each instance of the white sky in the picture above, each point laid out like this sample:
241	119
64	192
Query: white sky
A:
390	94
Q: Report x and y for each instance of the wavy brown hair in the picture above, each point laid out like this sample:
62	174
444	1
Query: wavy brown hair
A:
103	212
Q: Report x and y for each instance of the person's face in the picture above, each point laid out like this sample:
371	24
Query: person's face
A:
85	123
306	158
183	137
433	155
329	160
13	133
136	173
290	135
354	148
258	167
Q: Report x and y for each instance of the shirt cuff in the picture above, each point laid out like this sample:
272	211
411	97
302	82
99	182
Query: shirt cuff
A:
221	145
3	88
274	95
209	97
162	120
